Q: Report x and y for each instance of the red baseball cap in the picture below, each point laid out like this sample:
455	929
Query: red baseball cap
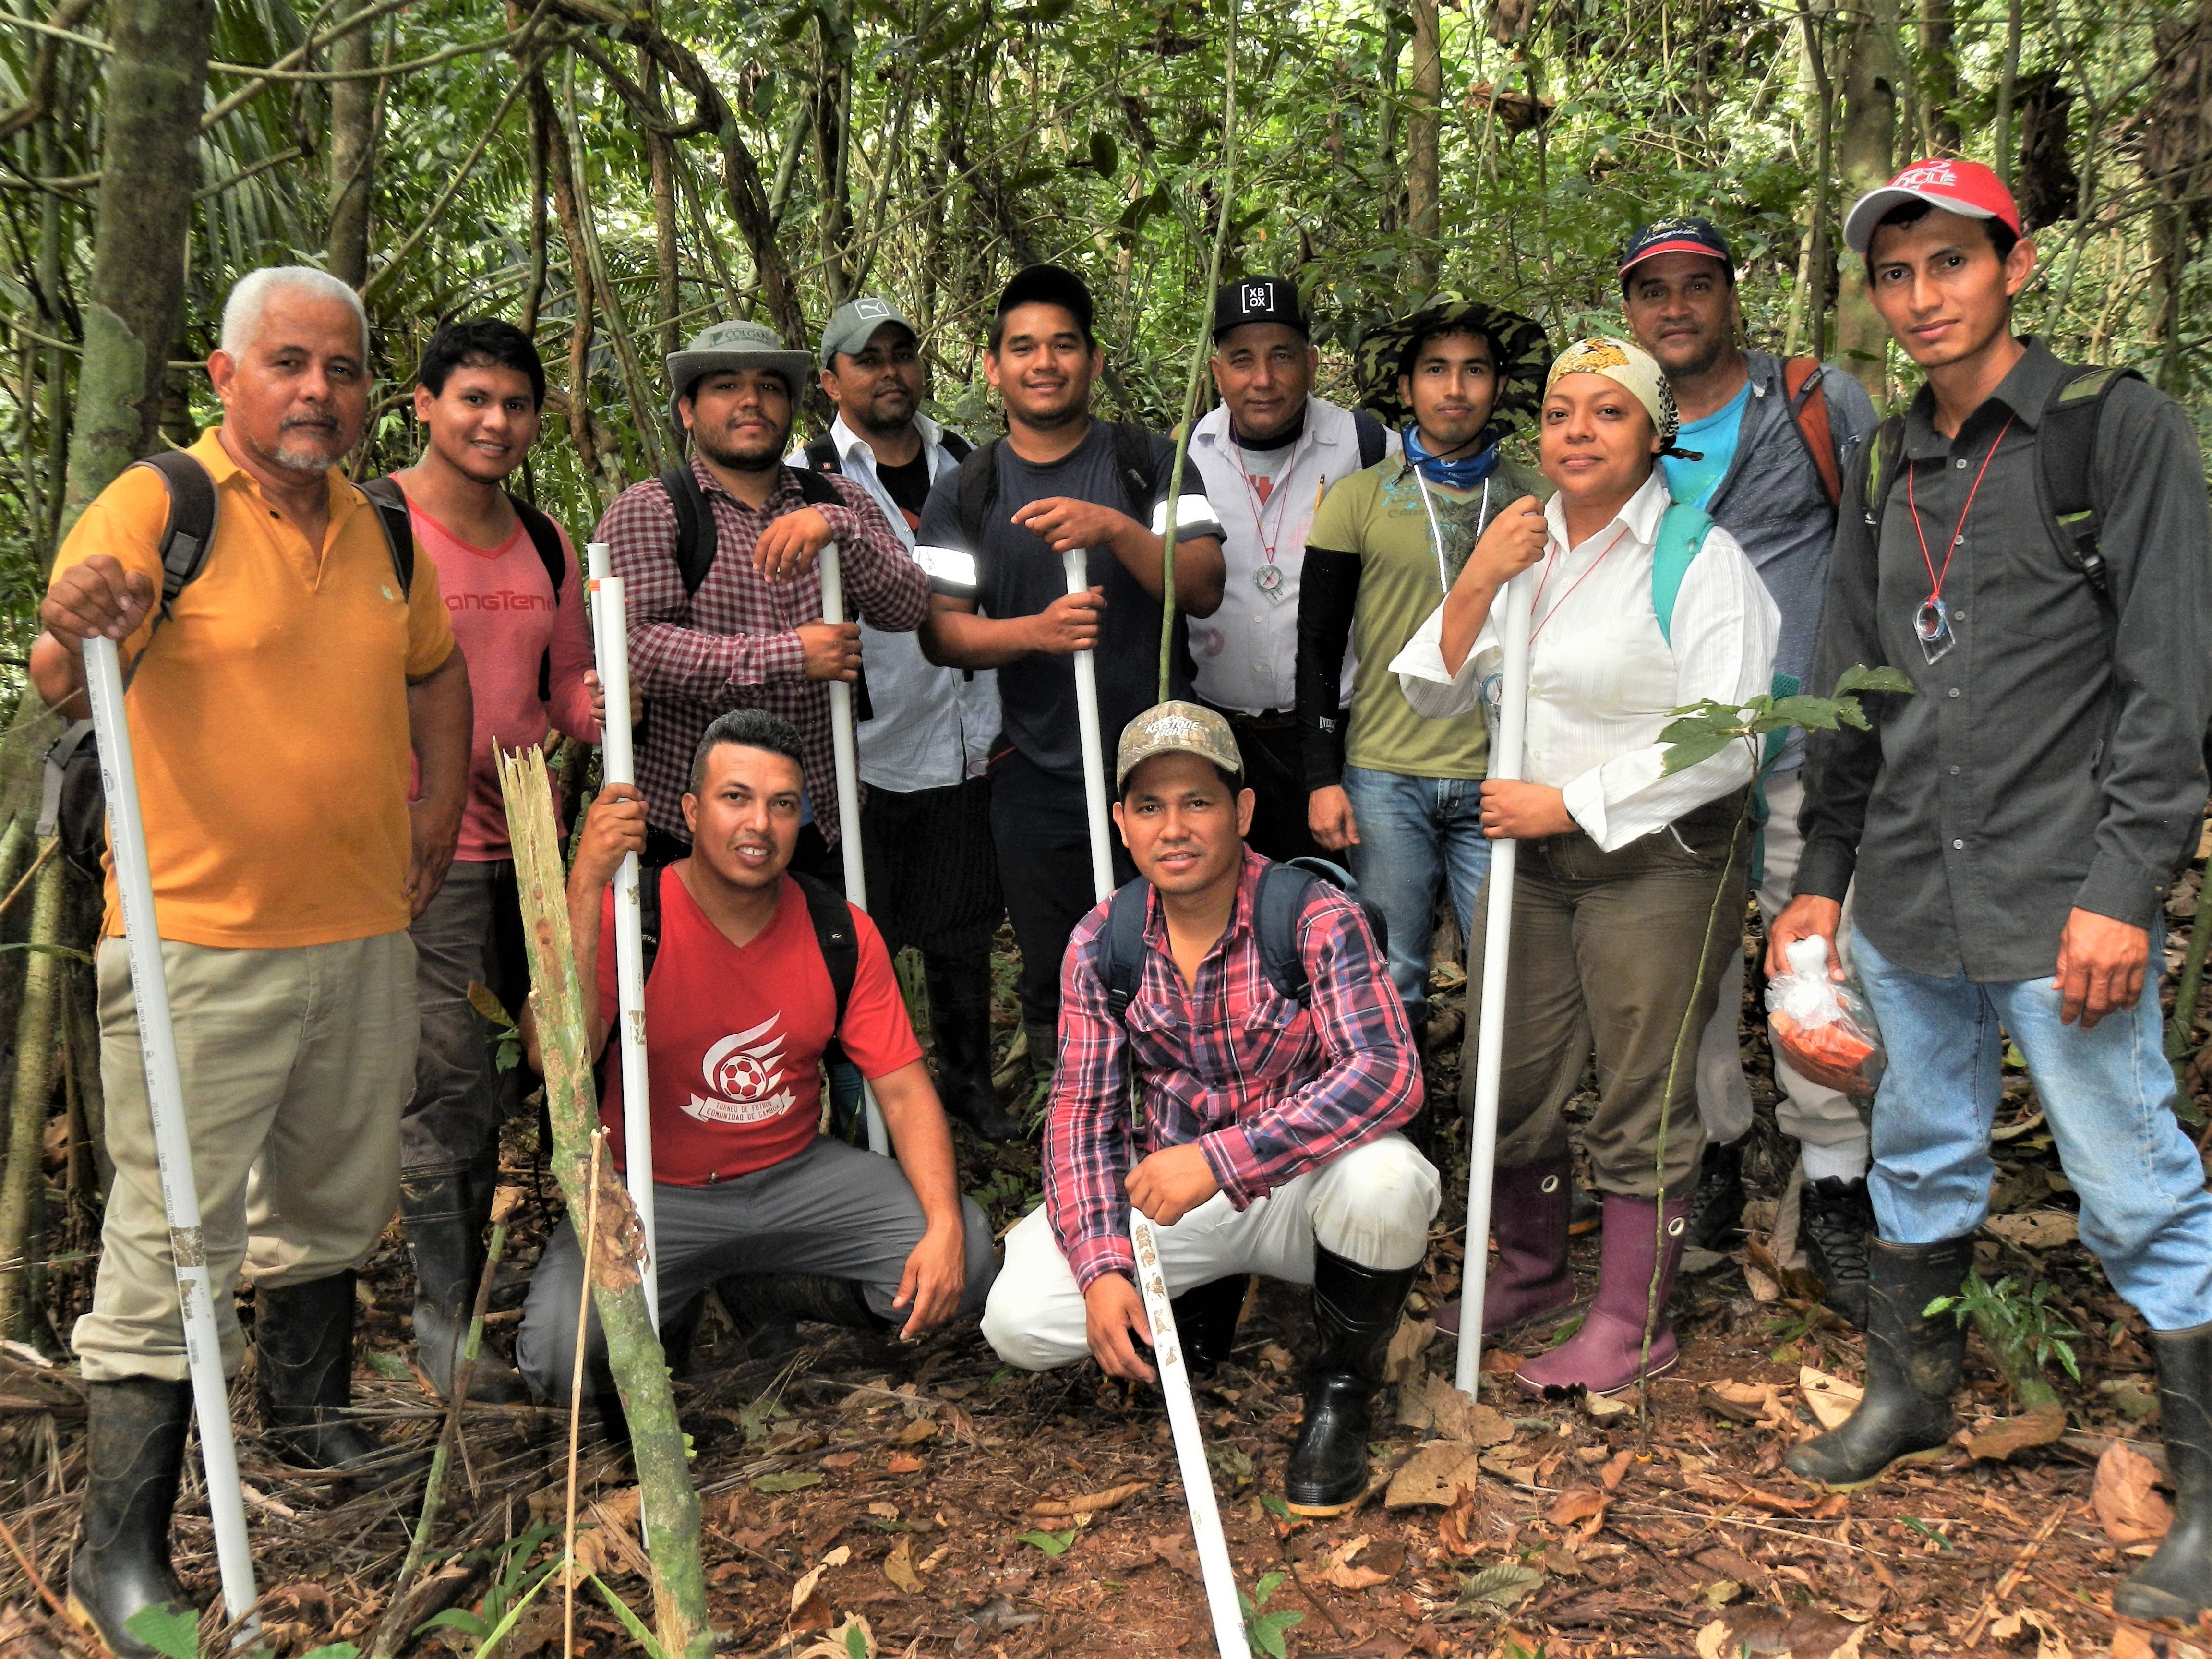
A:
1967	188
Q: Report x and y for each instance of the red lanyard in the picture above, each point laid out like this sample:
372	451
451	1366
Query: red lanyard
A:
1578	582
1958	531
1275	492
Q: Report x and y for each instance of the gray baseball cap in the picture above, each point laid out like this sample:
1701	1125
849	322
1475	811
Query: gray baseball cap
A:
735	345
1176	729
853	323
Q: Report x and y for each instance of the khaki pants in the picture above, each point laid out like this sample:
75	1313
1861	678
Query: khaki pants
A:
295	1065
1606	961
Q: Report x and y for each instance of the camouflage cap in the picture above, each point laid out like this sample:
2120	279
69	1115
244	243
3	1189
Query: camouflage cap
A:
1176	729
1517	344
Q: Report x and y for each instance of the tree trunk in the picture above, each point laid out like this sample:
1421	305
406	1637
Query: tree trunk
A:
2007	78
25	1181
1386	129
353	159
670	1504
1939	76
1824	107
668	289
593	446
156	79
1424	181
1867	158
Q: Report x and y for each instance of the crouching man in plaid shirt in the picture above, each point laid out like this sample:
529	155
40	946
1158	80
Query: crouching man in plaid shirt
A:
1269	1110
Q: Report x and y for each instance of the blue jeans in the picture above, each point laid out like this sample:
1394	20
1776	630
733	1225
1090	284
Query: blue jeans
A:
2107	1094
1413	834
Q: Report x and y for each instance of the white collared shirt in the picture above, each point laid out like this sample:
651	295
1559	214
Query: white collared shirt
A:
932	726
1247	651
1603	681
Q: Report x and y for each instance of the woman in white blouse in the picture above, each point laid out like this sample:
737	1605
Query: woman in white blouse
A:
1617	940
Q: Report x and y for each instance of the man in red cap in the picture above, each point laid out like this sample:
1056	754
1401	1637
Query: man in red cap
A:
2034	551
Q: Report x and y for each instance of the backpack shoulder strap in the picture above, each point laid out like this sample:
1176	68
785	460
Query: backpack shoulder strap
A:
1140	473
1885	455
954	444
1278	904
820	453
695	536
545	537
835	934
979	483
1374	438
648	914
814	488
1808	410
2066	454
189	531
1124	938
1681	537
390	504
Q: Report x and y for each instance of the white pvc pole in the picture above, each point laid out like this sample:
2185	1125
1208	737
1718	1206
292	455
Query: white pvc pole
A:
848	759
1505	758
1214	1568
172	1143
610	646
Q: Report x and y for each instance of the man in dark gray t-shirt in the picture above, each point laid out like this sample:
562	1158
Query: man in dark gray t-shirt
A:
1059	480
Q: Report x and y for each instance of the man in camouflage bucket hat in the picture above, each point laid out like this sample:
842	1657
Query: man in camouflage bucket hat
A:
1401	795
1247	1002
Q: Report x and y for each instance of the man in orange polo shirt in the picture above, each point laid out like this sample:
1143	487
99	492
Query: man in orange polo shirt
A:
273	712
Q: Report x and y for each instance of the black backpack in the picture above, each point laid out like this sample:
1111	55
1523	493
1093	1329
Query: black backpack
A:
1374	438
697	542
73	804
1133	460
1277	906
834	935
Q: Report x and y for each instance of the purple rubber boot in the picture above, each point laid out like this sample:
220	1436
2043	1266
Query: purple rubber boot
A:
1605	1355
1529	1212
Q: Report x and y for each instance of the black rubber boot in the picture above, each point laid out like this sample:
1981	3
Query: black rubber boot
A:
303	1341
444	1218
1585	1212
1835	1218
1912	1365
133	1454
1717	1207
960	1018
1356	1313
1205	1319
765	1309
2177	1583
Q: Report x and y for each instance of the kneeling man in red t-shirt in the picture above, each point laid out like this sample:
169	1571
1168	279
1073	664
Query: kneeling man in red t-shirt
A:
747	1194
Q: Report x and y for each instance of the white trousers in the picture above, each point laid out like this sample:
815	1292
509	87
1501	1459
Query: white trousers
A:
1809	1112
1371	1205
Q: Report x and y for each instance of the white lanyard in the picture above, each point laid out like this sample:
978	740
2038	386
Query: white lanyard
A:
1435	530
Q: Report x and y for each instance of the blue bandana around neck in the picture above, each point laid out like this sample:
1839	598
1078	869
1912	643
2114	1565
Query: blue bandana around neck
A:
1464	473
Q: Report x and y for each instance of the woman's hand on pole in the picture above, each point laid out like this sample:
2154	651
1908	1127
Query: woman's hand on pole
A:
1805	916
1069	624
1513	541
1512	811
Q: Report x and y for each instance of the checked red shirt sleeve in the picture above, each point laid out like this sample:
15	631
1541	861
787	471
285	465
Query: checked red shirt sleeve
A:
1268	1089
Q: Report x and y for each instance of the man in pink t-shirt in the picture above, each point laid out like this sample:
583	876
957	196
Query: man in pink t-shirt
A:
521	627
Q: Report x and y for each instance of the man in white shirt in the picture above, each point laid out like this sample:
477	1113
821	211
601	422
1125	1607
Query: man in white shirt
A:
926	732
1267	454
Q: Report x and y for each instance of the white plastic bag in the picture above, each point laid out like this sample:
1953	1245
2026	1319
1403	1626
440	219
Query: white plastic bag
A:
1824	1029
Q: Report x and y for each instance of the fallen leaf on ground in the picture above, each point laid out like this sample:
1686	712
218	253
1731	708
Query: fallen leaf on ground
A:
1830	1399
915	1432
1456	1531
1434	1475
1616	1468
1754	1628
1813	1634
841	1460
2008	1435
898	1567
1497	1362
901	1463
1178	1552
1344	1575
1578	1504
1432	1404
1763	1403
1094	1503
2050	1640
1405	1364
793	1480
851	1640
803	1591
1501	1586
1600	1407
1763	1288
2036	1230
2131	1512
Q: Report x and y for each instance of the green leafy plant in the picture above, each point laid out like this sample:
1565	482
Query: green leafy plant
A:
2022	1329
1054	1544
1928	1532
506	1035
1701	730
512	1590
177	1635
1264	1627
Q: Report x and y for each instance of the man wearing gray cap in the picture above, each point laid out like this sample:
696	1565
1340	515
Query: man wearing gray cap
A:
1247	1004
932	878
717	562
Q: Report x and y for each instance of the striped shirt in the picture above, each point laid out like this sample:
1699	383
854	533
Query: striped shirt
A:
1268	1089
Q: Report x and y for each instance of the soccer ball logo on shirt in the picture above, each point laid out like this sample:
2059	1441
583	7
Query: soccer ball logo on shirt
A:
743	1073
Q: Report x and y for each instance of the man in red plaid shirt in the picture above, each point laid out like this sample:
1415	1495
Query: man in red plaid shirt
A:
751	634
1270	1111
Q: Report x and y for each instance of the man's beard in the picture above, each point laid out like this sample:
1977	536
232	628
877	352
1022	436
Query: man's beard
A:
765	460
1709	353
305	458
887	426
1077	409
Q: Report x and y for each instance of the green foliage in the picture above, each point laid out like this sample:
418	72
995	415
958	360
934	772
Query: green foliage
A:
1263	1627
515	1586
506	1035
1701	730
793	1480
631	1621
1054	1544
2016	1321
176	1635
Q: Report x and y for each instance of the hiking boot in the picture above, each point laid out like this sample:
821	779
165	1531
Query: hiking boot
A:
1835	1218
1642	1241
2178	1582
1529	1208
1912	1365
303	1339
960	1019
1205	1319
1585	1212
1716	1219
134	1456
444	1216
1356	1313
